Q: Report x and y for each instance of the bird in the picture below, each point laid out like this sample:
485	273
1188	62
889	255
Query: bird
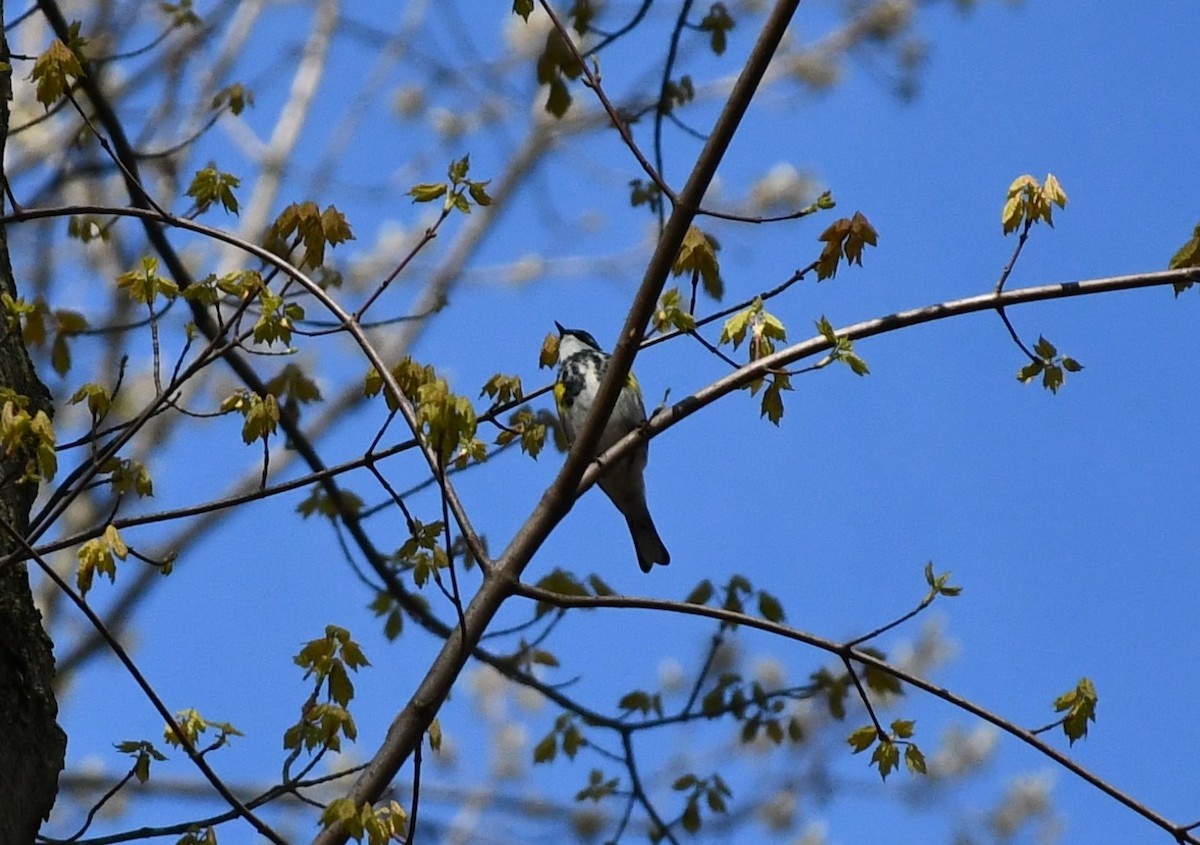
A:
581	366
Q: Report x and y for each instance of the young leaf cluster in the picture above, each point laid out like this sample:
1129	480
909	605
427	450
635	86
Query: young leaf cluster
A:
326	660
292	388
182	14
54	70
304	223
1187	255
127	475
100	554
698	256
938	585
886	756
28	437
1051	366
527	428
645	192
384	604
677	94
143	752
712	790
524	426
1030	201
717	23
260	414
98	399
455	192
555	65
39	321
671	313
763	329
734	595
844	238
194	726
422	553
144	284
565	735
86	228
566	584
210	186
529	656
448	423
842	348
1080	707
640	701
235	96
598	787
375	825
759	710
446	419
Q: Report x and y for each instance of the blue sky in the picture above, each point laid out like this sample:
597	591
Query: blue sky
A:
1067	519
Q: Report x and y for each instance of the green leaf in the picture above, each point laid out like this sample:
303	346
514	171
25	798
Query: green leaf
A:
771	405
863	738
636	700
1052	378
880	681
1080	706
769	607
311	227
857	365
825	329
684	782
670	313
698	254
211	185
847	237
428	192
55	69
914	760
546	750
701	593
1044	348
235	96
734	330
503	389
144	285
718	24
572	741
98	397
938	584
1030	371
886	757
599	587
902	728
1187	255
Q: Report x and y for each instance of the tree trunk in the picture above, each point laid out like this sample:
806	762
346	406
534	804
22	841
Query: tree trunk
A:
31	743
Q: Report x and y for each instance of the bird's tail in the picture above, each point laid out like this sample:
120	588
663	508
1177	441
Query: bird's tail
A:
646	542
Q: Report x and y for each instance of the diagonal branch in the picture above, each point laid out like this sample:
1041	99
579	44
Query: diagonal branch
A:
411	722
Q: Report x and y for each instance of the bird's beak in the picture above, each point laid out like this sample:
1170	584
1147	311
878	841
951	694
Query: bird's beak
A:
558	326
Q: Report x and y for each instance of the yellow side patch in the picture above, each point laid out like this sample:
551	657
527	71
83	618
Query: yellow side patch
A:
632	383
559	390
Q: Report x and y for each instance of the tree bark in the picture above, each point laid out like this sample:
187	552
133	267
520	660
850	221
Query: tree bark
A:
32	745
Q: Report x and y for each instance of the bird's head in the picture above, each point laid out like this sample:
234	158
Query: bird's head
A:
571	341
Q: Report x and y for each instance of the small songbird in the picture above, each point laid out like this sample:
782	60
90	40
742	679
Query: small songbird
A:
581	366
